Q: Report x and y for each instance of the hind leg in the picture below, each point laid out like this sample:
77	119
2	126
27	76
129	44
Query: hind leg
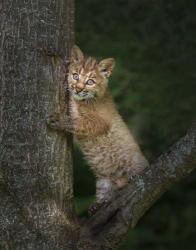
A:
104	193
104	190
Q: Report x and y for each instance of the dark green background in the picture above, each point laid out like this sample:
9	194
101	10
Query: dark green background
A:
154	86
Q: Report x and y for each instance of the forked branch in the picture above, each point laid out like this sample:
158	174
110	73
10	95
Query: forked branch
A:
110	224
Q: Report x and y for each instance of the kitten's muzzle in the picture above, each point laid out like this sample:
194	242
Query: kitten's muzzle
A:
79	87
78	90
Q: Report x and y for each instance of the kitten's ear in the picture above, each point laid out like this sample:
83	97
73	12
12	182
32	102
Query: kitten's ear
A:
76	54
106	66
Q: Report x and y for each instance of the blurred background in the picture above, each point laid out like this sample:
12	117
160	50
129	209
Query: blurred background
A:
154	86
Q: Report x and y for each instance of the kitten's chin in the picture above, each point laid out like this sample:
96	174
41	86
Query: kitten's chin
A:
78	98
81	97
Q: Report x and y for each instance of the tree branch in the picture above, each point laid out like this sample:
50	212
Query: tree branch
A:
111	223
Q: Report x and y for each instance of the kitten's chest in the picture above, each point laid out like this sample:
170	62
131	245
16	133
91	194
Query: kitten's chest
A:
82	109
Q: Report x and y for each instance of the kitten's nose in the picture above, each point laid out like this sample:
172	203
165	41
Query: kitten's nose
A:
79	87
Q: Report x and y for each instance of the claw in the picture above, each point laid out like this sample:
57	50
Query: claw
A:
95	207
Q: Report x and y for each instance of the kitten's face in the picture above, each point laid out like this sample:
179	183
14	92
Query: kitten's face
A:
87	78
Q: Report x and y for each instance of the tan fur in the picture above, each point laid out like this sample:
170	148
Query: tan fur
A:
102	135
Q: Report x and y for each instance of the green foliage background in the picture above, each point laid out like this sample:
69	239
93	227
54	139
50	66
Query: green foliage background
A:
154	86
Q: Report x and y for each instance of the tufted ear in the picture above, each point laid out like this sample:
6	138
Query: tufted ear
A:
106	66
76	54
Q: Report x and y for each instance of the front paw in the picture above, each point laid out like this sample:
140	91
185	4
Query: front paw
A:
53	121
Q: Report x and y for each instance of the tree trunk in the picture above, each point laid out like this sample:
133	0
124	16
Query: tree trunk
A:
36	208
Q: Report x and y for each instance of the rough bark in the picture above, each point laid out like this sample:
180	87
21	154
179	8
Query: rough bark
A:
109	226
36	197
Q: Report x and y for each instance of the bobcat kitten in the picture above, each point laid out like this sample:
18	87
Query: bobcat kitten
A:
103	137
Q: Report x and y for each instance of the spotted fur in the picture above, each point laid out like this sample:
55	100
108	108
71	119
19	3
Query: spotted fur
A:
102	135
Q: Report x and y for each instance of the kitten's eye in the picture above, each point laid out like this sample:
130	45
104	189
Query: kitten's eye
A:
90	82
75	76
